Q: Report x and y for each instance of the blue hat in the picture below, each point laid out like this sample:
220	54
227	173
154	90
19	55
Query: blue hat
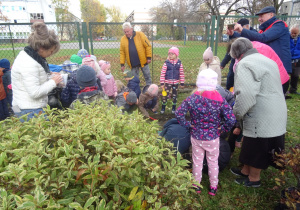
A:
243	21
86	76
4	63
266	10
82	53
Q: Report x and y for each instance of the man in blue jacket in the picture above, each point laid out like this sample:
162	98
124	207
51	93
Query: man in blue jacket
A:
295	51
274	33
230	76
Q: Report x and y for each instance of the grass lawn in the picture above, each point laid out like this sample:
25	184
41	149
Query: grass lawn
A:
233	196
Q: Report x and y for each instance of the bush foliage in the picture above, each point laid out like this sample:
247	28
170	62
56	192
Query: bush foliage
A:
92	157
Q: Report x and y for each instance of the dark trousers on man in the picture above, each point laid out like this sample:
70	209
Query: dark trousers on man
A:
294	78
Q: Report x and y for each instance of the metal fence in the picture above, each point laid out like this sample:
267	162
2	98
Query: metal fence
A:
103	40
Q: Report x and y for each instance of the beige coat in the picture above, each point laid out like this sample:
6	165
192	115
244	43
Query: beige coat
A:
214	65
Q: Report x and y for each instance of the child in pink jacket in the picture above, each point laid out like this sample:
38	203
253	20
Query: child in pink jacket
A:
110	88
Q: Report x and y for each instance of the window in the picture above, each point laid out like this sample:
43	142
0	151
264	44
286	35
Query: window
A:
36	16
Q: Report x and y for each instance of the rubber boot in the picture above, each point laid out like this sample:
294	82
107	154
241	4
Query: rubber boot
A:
173	108
163	108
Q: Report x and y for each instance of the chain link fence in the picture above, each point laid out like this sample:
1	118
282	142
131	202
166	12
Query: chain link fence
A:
103	41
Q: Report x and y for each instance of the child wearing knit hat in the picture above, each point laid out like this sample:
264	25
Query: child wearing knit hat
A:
211	62
126	99
149	100
89	61
110	88
171	75
207	110
89	90
4	113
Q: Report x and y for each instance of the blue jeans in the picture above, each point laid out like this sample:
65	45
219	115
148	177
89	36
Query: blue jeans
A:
230	79
31	113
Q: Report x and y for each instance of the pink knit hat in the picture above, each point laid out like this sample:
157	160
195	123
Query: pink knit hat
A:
88	61
174	50
104	64
207	79
208	54
153	90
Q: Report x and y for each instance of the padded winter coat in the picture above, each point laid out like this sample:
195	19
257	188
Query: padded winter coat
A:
30	83
214	65
277	37
142	45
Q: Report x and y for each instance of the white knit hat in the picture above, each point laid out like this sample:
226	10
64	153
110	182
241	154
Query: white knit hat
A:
207	79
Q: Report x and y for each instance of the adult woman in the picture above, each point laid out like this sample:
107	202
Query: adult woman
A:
260	104
31	77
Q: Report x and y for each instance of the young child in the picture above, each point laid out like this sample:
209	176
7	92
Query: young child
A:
171	74
4	113
120	86
211	62
148	99
89	90
5	66
110	88
133	82
126	99
207	109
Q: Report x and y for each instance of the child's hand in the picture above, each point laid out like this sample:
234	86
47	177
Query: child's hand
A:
162	87
236	131
115	94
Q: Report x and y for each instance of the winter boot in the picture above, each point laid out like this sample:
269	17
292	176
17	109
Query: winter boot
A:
163	108
173	108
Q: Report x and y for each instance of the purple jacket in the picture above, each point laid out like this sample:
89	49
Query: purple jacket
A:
207	112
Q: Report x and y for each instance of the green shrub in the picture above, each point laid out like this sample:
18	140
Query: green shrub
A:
92	157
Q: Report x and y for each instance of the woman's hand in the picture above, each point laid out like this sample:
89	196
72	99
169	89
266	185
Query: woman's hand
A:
57	78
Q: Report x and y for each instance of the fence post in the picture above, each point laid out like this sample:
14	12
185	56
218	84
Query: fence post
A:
91	38
217	35
213	18
85	36
79	35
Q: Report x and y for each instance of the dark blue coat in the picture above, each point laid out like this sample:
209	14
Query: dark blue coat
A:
69	93
227	57
277	37
295	48
173	71
134	85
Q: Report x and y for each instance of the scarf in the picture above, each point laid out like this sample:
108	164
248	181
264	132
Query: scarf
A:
42	61
108	76
88	89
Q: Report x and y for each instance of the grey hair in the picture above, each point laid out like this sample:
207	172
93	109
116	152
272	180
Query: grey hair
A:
296	26
126	25
239	47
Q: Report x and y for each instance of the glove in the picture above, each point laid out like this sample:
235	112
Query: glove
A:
152	118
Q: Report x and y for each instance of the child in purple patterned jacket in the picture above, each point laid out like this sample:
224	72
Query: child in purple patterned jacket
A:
207	109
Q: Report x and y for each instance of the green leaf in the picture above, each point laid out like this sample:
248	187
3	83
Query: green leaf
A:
27	204
132	193
101	205
75	205
89	202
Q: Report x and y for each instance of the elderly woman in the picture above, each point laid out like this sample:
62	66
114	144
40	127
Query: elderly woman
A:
260	105
30	74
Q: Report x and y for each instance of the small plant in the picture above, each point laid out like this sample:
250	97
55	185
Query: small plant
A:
290	162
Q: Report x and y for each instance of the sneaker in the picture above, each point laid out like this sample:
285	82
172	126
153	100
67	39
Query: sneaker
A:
212	191
237	171
197	189
173	109
246	182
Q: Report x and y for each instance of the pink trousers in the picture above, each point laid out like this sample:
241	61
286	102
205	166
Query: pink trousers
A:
211	148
